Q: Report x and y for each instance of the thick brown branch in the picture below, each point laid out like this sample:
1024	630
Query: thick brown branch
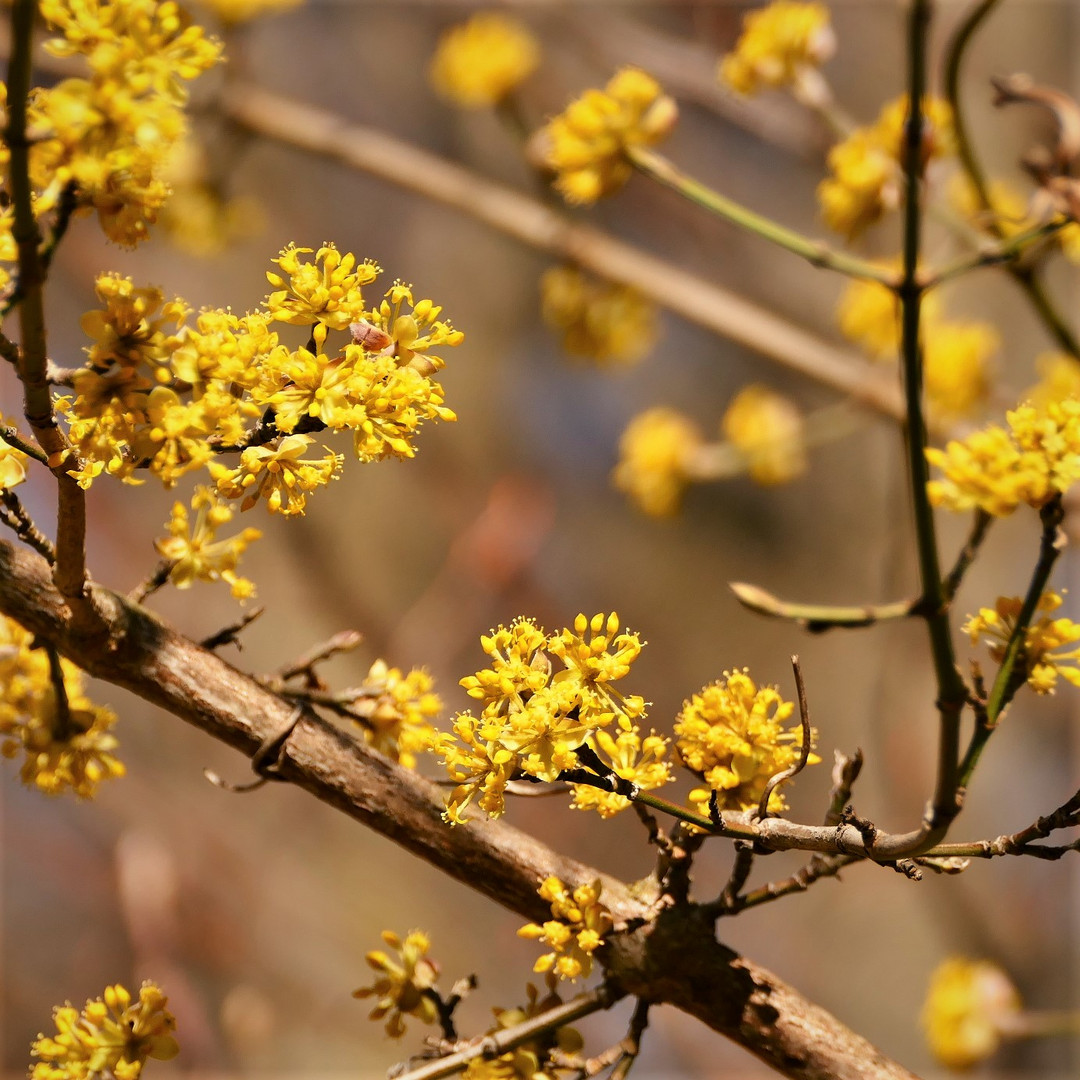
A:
673	958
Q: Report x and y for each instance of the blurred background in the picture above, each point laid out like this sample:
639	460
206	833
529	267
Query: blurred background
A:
255	913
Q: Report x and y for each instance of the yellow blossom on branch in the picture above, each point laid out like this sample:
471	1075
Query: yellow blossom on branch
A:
233	12
396	711
767	431
577	928
1038	661
12	465
535	719
478	62
970	1005
325	293
731	735
996	470
636	760
195	551
403	982
612	324
66	741
276	472
585	144
112	1036
956	366
781	44
654	458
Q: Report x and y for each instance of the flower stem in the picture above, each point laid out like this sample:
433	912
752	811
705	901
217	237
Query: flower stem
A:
663	171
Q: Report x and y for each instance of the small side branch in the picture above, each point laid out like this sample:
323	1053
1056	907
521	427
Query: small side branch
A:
817	618
15	517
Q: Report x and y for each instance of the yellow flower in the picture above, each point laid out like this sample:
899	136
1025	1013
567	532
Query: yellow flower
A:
402	985
731	735
605	322
413	328
632	758
1037	660
584	145
196	554
325	293
780	44
63	749
654	456
767	430
956	360
970	1005
996	470
575	931
479	62
112	1036
535	720
867	177
276	472
397	711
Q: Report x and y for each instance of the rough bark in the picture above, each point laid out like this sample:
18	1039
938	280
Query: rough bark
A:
671	956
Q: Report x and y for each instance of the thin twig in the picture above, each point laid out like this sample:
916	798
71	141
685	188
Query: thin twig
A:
845	772
13	438
343	641
158	577
817	618
502	1042
230	635
980	526
64	726
804	749
13	514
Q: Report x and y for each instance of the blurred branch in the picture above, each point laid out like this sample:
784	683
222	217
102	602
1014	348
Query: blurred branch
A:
400	163
671	956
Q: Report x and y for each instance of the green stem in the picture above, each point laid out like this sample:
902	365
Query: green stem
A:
951	690
1004	252
663	171
1025	276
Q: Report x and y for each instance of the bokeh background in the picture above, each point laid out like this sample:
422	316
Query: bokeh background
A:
255	912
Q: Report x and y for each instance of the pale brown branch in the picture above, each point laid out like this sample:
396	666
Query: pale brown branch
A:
671	957
530	221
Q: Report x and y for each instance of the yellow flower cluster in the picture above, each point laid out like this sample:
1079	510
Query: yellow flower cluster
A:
585	144
1059	378
732	736
112	1036
575	930
169	397
64	748
403	983
532	1060
767	431
195	552
780	45
397	711
637	760
108	136
535	719
609	323
996	470
970	1005
478	62
1038	662
867	176
655	452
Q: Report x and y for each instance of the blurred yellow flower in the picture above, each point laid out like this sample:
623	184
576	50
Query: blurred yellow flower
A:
969	1006
402	982
767	431
477	63
779	46
654	455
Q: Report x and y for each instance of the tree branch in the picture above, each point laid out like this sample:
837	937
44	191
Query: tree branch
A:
671	957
